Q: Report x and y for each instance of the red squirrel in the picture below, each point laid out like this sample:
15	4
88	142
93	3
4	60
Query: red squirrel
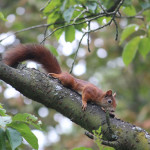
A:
42	55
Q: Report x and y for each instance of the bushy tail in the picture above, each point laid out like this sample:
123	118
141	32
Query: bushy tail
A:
35	52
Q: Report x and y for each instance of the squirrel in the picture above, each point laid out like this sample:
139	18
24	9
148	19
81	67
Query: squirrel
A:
42	55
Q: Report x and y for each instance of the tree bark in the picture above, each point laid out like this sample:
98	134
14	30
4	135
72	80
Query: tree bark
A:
49	92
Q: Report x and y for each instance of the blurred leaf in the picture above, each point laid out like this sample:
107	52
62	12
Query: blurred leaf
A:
130	50
2	17
144	46
147	15
27	118
103	20
62	8
69	33
53	50
130	10
80	26
2	111
68	14
58	33
145	5
14	138
127	3
91	6
53	17
52	5
4	120
128	31
2	139
26	133
107	3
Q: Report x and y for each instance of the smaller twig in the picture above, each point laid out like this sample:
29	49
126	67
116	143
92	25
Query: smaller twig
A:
45	5
82	12
116	29
119	13
26	29
77	52
107	143
88	38
89	135
130	17
101	7
44	34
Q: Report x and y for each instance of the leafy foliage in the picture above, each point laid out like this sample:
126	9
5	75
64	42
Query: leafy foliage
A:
15	128
98	139
14	138
131	35
130	50
70	15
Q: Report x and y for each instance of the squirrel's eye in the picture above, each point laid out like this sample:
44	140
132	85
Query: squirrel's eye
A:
109	101
106	95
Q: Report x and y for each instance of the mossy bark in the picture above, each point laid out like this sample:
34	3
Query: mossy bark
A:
49	92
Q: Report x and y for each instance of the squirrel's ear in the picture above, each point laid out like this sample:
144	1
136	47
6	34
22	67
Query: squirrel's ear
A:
109	93
114	95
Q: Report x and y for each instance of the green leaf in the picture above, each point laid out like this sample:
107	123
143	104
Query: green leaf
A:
128	31
27	118
52	5
4	120
53	17
82	148
14	138
103	20
26	133
2	139
130	50
69	33
62	8
130	10
2	112
147	15
2	17
127	3
145	5
144	46
58	33
80	26
53	50
68	14
91	6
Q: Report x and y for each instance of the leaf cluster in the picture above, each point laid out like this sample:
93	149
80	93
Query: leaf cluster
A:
14	129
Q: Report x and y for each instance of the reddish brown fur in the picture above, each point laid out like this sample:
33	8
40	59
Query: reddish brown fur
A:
42	55
33	52
89	91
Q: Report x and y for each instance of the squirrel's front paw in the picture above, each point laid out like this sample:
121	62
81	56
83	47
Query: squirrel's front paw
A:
84	106
53	75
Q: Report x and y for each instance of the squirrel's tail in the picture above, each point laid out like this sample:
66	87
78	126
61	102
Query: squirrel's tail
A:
33	52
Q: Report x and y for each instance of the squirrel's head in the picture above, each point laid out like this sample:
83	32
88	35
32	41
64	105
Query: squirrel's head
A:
108	101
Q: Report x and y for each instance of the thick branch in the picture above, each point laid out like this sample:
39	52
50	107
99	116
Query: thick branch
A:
43	89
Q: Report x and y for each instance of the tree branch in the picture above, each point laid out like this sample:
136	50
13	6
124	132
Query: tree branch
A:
49	92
